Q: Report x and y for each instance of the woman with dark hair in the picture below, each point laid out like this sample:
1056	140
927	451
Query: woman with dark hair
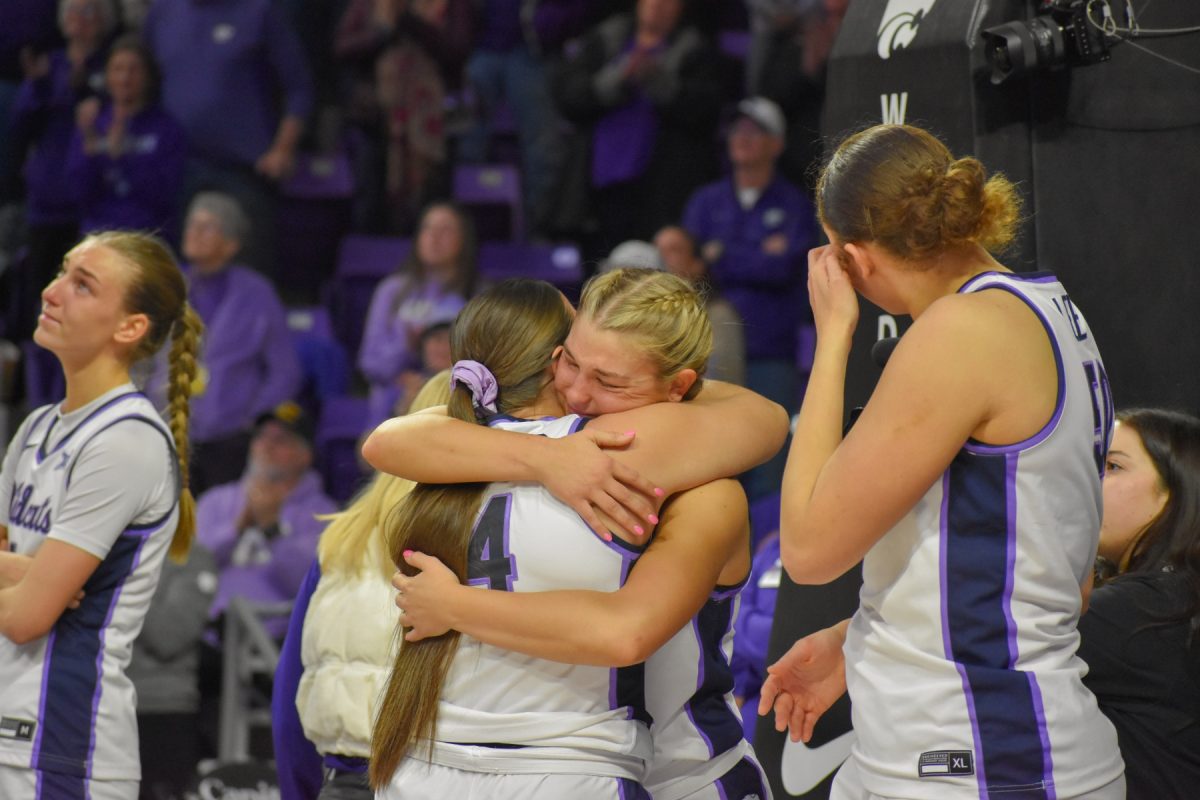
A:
431	285
1139	635
969	487
127	155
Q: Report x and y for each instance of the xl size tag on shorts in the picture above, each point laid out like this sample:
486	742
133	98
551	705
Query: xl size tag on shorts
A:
19	729
946	762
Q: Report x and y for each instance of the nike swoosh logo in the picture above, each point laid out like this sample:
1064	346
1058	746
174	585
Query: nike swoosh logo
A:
803	767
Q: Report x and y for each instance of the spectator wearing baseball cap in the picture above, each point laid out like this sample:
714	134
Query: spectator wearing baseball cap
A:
755	229
262	529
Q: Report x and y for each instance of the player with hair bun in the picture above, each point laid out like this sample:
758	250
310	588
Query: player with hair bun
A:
970	484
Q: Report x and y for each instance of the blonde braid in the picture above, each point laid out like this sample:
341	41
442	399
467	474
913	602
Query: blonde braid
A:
185	346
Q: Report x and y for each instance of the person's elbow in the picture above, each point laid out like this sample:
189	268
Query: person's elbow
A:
626	644
374	449
22	629
806	561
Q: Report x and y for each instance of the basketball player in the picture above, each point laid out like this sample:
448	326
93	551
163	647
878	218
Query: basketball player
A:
971	484
95	489
541	701
680	599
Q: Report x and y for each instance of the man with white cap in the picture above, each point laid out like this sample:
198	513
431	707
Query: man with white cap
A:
754	230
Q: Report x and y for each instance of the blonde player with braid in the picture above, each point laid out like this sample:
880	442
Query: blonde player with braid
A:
95	493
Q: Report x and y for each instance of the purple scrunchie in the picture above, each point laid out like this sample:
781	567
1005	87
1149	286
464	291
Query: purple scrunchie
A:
479	380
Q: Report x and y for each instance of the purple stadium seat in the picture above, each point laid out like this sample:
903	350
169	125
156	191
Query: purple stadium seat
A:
557	263
735	44
363	261
343	420
492	193
314	215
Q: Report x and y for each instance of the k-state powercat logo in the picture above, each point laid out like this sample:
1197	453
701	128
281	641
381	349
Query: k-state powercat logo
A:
899	25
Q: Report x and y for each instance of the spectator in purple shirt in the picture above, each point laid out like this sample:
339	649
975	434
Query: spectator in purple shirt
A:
235	77
43	122
755	229
248	362
262	528
127	155
431	286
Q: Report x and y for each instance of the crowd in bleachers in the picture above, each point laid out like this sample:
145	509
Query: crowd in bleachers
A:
338	179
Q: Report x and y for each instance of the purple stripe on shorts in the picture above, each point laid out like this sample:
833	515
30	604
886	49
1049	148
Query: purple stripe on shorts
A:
37	742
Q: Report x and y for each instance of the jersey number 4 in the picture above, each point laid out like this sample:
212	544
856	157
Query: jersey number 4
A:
488	561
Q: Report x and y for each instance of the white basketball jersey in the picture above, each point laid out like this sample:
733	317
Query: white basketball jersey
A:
696	724
66	706
961	659
561	717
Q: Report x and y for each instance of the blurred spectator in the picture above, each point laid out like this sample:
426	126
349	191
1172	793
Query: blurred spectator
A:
248	362
508	66
165	672
681	257
133	14
405	56
649	90
235	78
43	123
431	286
752	631
26	26
793	75
772	24
126	158
633	253
262	529
755	229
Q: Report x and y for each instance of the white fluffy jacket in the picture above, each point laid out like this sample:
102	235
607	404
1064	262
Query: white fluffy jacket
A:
348	651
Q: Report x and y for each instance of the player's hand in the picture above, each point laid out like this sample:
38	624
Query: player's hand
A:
831	294
579	473
805	682
422	597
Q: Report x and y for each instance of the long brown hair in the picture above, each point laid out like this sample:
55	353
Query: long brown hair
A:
513	329
158	290
466	269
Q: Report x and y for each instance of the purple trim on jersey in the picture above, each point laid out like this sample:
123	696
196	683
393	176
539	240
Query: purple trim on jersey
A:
978	538
155	425
687	707
579	424
37	742
943	579
1041	276
112	607
1060	403
33	428
631	790
42	452
1010	571
72	674
1039	711
57	786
